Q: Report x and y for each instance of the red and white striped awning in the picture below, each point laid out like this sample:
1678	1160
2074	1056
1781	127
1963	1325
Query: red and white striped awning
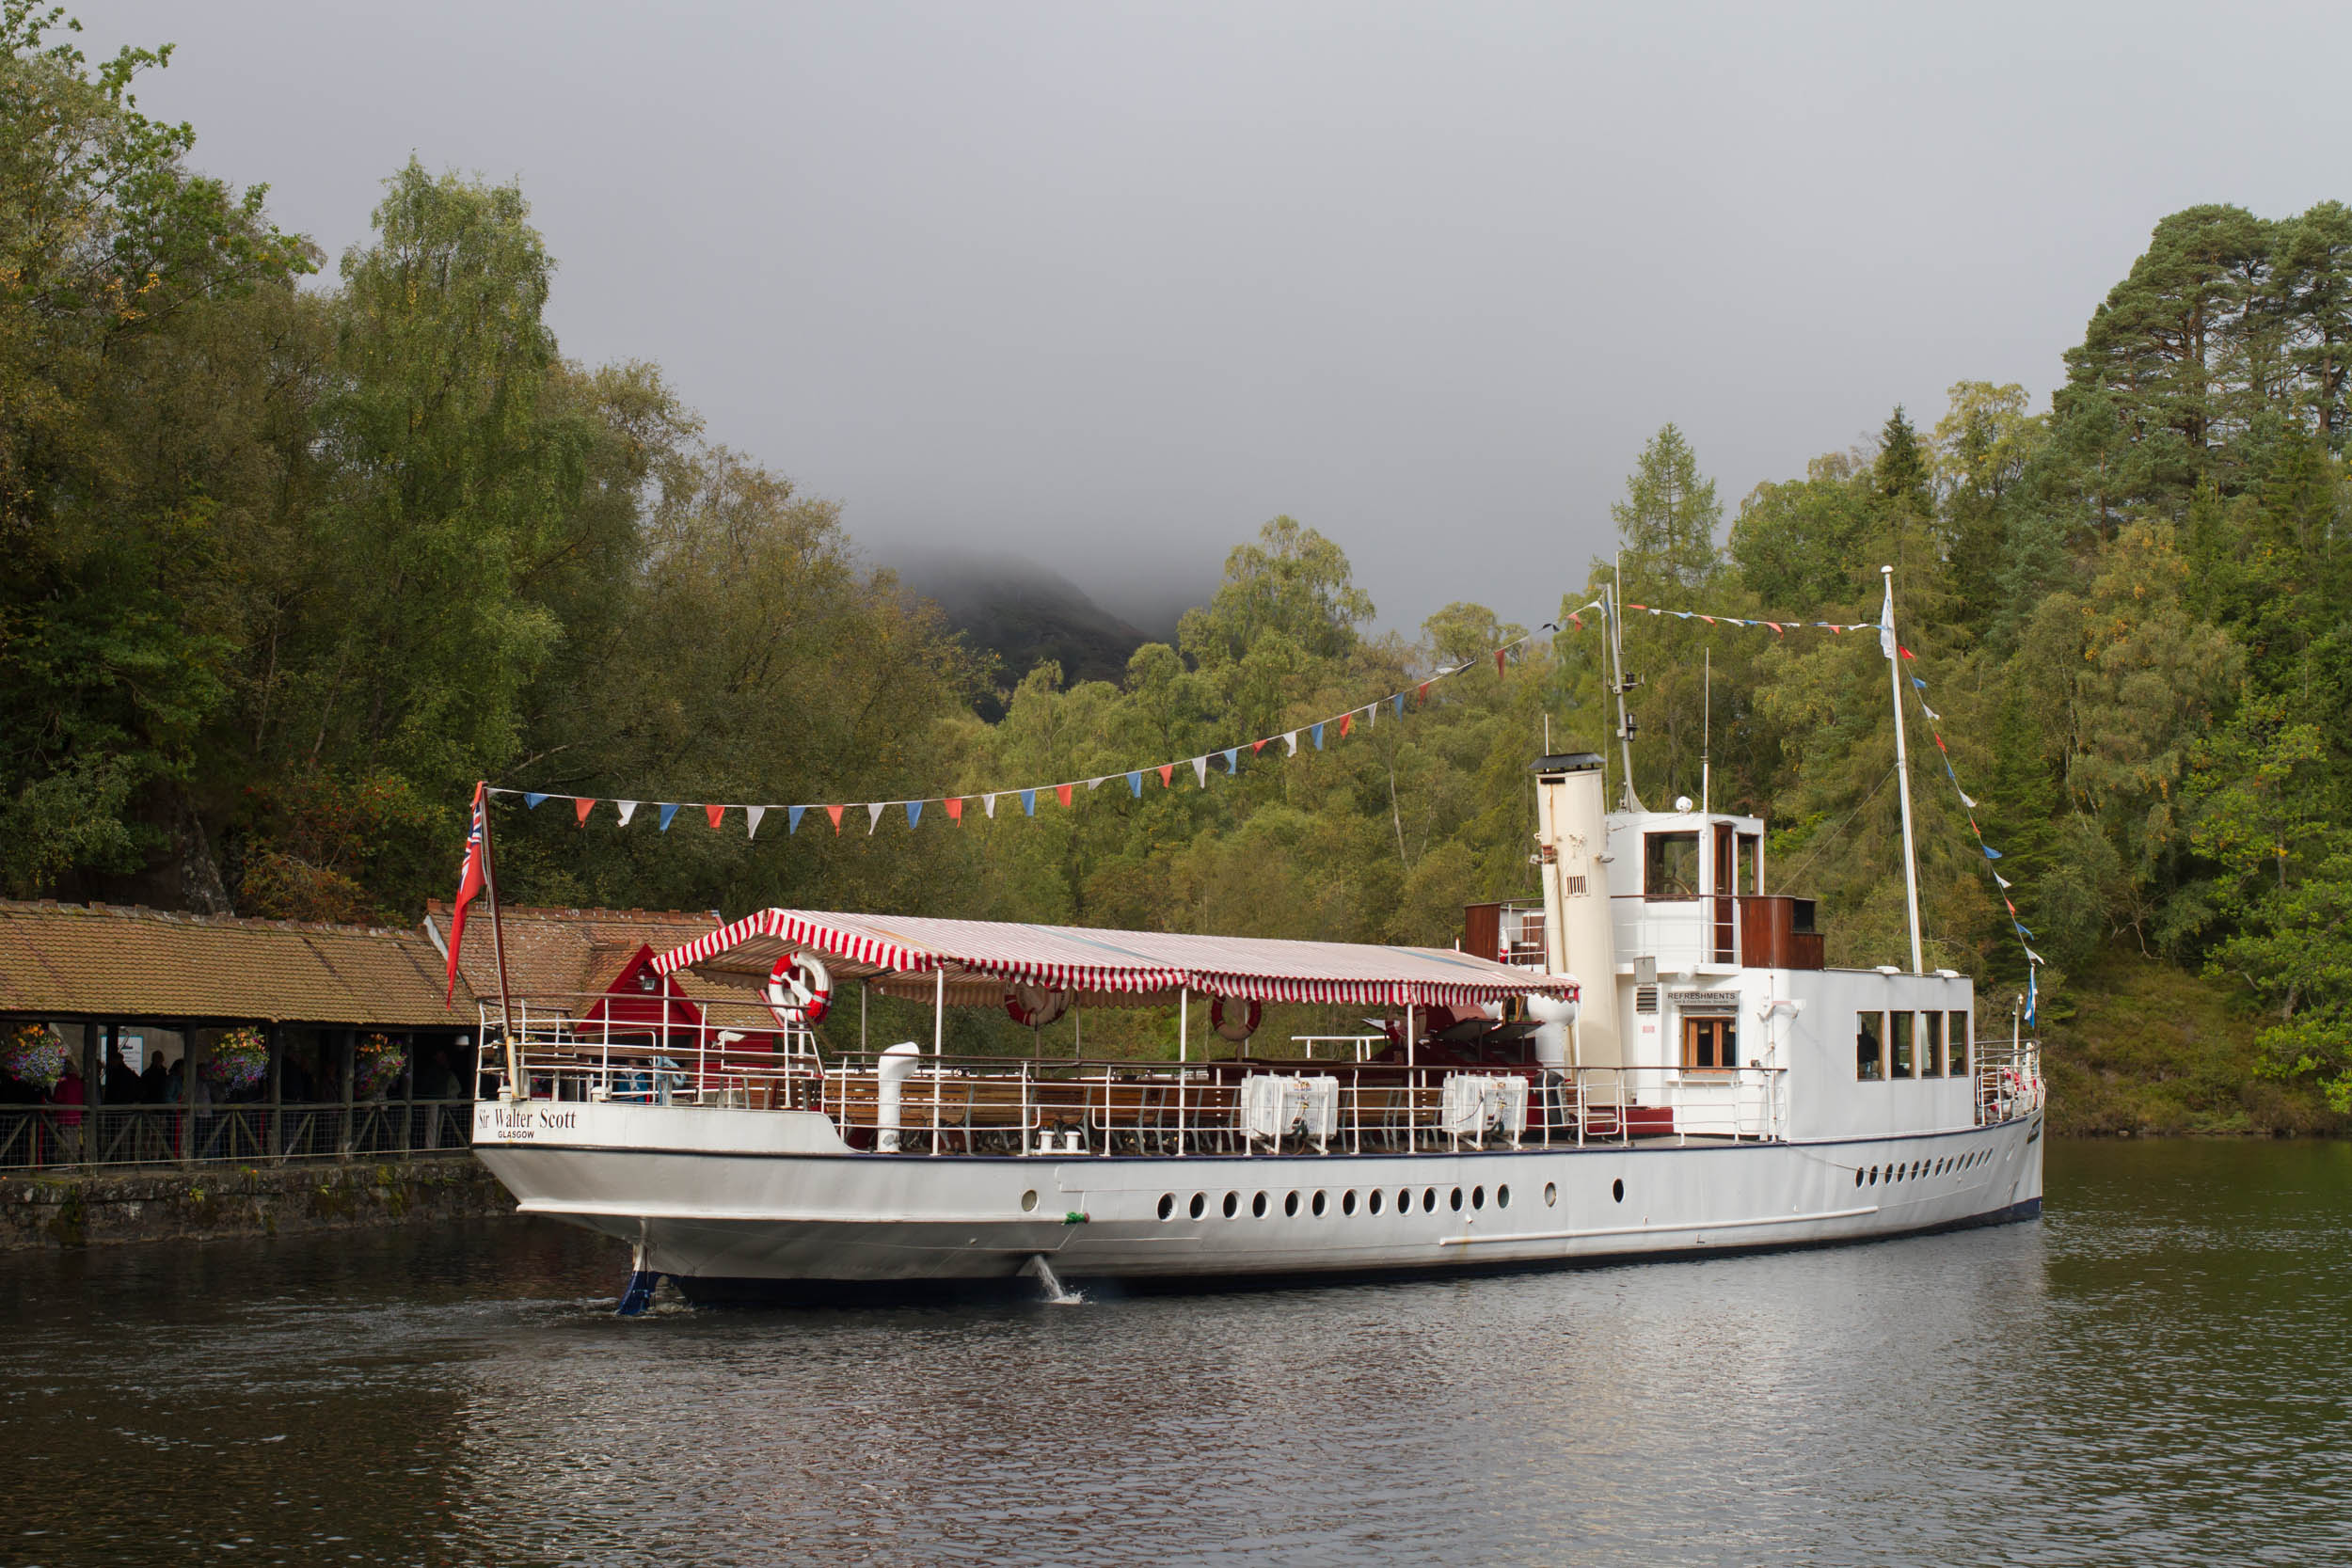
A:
905	955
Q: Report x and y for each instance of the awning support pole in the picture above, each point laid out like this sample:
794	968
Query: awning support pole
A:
938	1013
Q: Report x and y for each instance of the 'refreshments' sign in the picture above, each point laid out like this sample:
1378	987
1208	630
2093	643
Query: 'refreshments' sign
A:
1705	1001
509	1124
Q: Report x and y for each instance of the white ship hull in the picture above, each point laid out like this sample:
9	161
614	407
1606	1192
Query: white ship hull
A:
724	1200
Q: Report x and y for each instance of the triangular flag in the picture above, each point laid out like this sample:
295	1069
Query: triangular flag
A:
1233	760
714	813
1967	801
2003	880
1318	733
955	808
1134	784
1399	701
1291	741
1917	682
1168	775
581	806
1028	802
1093	784
2027	929
834	812
1990	853
914	813
751	820
627	808
2034	955
988	803
1421	692
530	801
1777	631
668	811
873	816
792	816
1200	770
1257	746
1061	793
1933	716
1576	619
1907	652
1347	723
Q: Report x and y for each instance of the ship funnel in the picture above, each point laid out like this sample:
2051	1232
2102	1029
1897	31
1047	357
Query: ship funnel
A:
1571	838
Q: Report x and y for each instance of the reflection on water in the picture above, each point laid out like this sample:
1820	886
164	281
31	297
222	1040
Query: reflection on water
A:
2156	1372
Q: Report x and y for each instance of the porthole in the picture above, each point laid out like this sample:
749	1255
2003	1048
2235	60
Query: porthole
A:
1456	1201
1290	1205
1200	1204
1405	1200
1857	1176
1429	1201
1257	1206
1233	1204
1551	1195
1616	1190
1167	1206
1373	1200
1874	1176
1502	1195
1028	1202
1478	1198
1347	1201
1318	1205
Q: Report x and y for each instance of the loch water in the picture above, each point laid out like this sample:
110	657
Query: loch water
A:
2158	1371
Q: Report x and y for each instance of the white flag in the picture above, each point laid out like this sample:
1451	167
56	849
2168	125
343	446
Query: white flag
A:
2003	880
1200	770
751	820
988	803
1967	800
1291	741
627	808
1886	620
1093	784
873	816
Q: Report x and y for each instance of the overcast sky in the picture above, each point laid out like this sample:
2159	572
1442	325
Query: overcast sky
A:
1112	285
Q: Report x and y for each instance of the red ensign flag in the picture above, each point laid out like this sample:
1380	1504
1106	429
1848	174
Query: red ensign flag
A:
470	879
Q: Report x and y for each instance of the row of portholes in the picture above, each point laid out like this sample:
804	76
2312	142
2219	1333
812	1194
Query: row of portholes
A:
1920	1168
1373	1202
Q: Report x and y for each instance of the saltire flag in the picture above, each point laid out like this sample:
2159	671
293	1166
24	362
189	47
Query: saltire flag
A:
472	875
2030	997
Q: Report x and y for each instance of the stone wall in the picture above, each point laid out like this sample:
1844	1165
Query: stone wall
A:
155	1203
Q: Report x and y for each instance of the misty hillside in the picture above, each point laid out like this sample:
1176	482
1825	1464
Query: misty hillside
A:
1025	614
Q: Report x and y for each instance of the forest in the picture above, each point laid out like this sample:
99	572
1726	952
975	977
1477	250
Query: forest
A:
299	547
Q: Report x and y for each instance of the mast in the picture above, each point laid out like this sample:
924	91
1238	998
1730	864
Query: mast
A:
1893	650
1707	723
498	946
1618	683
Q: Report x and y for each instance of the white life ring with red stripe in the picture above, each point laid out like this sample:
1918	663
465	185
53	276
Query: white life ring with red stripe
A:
1238	1029
799	990
1035	1006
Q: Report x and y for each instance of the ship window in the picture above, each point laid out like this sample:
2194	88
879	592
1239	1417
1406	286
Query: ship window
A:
1347	1201
1616	1190
1957	1036
1200	1204
1290	1205
1551	1195
1710	1043
1373	1201
1429	1201
1167	1206
1257	1207
1869	1030
1405	1200
1028	1202
1931	1045
1670	865
1233	1204
1478	1198
1321	1203
1502	1195
1751	876
1900	1040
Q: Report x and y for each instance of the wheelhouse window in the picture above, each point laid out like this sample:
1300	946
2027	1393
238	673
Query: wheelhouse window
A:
1957	1036
1931	1045
1670	865
1869	1032
1902	1066
1710	1043
1750	873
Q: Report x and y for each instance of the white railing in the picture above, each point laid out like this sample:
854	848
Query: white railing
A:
2009	1081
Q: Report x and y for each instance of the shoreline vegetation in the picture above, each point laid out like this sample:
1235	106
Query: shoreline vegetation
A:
293	563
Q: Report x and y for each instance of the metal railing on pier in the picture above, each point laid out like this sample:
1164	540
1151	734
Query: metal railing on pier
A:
42	1136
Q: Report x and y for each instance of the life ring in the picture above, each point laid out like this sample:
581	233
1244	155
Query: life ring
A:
1033	1007
799	990
1236	1030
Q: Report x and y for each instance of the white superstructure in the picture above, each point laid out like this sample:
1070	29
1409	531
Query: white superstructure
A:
1687	1077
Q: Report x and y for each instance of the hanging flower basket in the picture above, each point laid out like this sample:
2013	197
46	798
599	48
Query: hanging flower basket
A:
377	1064
34	1054
239	1061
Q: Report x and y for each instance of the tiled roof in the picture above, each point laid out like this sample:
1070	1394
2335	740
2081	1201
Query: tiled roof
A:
554	954
104	961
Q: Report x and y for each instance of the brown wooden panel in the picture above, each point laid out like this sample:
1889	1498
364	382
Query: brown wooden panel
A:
1482	931
1769	938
